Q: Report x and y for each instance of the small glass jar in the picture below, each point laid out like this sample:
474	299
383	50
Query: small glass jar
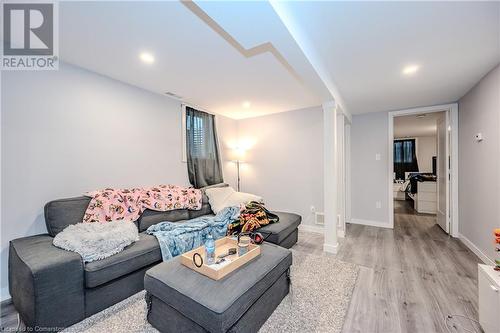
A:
244	245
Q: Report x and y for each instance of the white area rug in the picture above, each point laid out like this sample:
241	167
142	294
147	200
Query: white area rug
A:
321	290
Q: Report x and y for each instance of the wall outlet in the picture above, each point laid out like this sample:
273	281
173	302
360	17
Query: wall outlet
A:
377	157
313	209
378	205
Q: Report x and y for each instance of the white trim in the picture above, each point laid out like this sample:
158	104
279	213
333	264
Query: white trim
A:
346	114
476	250
426	109
197	107
379	224
319	230
330	248
454	171
4	294
453	109
183	133
390	167
341	182
311	228
348	186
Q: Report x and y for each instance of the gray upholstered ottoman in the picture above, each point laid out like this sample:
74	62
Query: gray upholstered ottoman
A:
182	300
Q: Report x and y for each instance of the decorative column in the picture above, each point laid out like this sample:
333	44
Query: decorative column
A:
330	176
340	162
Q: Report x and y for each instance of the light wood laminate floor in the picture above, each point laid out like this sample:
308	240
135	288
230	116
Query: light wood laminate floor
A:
410	277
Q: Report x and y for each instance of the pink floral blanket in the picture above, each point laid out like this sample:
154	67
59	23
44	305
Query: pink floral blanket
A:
128	204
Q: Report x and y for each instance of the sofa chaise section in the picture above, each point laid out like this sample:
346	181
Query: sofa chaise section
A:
285	232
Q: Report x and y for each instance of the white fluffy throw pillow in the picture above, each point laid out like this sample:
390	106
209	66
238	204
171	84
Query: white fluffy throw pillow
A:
222	197
96	241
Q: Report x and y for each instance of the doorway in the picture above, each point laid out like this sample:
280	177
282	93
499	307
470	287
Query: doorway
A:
423	180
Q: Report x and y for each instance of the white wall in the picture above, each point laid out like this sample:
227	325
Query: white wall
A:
285	160
369	176
426	149
479	163
227	132
69	131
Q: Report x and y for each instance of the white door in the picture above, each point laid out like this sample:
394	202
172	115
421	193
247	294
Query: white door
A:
443	172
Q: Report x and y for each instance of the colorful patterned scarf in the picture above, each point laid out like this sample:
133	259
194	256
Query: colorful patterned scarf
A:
253	216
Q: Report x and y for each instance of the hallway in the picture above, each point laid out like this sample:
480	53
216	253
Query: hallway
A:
405	207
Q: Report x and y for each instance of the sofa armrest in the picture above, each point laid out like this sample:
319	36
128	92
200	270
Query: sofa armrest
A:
46	283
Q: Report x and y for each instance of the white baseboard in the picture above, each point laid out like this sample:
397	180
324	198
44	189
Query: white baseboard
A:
371	223
476	250
311	228
331	248
341	233
319	229
4	294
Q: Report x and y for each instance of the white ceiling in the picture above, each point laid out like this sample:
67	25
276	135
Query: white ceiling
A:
413	126
363	47
192	60
355	49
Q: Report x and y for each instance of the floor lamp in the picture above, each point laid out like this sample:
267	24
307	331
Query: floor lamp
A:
238	171
238	153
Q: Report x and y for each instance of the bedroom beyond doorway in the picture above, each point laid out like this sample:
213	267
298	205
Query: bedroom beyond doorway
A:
415	157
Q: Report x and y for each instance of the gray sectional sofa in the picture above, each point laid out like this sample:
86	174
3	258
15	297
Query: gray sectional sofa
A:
52	288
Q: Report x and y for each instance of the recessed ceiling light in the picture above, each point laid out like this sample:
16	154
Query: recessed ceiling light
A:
410	69
147	58
246	104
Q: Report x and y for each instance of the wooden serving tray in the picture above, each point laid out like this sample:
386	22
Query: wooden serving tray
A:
233	262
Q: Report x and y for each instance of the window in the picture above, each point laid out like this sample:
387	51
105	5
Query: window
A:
405	158
201	148
403	151
195	128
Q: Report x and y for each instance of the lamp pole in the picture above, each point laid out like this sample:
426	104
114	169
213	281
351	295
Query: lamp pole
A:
238	170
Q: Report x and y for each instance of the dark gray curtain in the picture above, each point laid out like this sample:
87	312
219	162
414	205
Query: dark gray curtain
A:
405	157
203	159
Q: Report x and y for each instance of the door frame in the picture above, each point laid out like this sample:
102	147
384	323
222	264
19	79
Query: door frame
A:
453	148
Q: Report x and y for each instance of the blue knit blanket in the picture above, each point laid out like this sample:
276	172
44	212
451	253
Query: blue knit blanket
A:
177	238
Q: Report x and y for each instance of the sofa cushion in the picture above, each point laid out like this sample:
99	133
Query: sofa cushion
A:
144	252
277	232
205	210
222	197
61	213
150	217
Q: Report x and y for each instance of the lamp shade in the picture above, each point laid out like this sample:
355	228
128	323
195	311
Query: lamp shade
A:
238	154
